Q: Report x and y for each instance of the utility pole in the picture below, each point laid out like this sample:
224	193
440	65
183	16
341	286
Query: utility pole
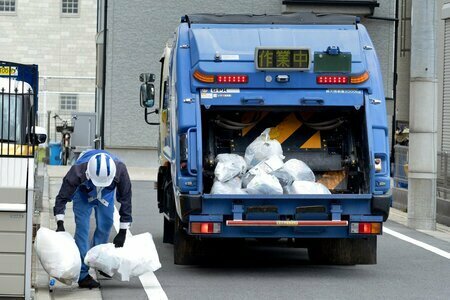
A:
423	117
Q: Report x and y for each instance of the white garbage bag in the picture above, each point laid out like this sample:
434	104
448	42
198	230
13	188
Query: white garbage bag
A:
264	184
137	257
272	163
283	177
58	254
306	188
299	170
262	148
232	187
229	166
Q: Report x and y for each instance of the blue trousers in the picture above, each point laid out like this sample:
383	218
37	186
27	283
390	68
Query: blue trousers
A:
82	209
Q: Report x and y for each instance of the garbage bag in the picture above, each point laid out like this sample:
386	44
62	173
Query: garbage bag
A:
306	188
137	257
299	170
283	177
229	166
272	163
264	184
58	254
262	148
232	186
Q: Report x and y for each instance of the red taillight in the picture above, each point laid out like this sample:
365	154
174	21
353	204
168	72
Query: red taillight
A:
232	79
205	228
365	228
332	79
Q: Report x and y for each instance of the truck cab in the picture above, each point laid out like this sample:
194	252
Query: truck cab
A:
315	81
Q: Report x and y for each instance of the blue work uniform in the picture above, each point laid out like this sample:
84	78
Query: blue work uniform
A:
86	196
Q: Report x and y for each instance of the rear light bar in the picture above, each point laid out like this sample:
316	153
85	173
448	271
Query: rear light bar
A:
340	79
365	228
221	78
205	227
232	78
332	79
282	223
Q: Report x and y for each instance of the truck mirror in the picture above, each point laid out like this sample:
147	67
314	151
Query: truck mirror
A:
39	136
147	77
147	95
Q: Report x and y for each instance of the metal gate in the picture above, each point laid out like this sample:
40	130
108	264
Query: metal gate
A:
18	106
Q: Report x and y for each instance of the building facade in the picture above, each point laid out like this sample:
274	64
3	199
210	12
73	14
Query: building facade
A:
137	34
58	36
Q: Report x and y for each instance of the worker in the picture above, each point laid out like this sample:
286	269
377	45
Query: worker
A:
91	183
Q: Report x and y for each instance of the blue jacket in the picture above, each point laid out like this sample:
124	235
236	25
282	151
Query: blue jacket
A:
75	183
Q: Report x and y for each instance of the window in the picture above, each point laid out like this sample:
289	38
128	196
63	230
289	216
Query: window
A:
68	102
8	6
69	7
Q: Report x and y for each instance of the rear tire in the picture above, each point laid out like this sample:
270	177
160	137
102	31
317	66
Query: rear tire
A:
184	245
344	251
168	231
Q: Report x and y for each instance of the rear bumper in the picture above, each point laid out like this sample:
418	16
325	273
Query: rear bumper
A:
284	216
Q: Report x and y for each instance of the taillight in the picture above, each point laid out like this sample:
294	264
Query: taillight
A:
203	77
365	228
360	78
232	78
222	78
322	79
205	227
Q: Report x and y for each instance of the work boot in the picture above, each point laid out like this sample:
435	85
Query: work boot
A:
104	274
88	283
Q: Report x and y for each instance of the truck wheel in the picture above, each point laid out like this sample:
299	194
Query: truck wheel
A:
344	251
168	231
184	245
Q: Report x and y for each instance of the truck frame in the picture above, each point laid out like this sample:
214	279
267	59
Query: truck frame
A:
315	80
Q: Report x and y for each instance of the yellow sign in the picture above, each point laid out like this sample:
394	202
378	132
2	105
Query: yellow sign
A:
8	71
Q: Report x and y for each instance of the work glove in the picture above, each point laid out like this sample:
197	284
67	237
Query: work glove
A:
60	225
119	240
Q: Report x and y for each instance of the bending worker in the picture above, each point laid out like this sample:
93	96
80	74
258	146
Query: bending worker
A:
91	183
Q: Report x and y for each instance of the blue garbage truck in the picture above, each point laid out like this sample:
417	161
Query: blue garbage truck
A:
315	82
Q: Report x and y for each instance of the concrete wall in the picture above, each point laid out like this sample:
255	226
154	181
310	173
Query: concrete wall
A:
62	46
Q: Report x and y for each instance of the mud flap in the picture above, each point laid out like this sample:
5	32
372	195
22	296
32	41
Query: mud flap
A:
361	251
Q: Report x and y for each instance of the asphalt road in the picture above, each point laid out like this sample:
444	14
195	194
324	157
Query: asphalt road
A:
404	271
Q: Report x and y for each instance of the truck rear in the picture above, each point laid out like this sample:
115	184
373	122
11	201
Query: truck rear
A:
315	83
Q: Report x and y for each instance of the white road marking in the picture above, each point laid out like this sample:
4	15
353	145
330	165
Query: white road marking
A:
149	281
417	243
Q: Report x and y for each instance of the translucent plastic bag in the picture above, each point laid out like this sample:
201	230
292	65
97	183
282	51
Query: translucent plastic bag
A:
267	166
231	187
307	188
229	166
137	257
58	254
262	148
283	177
299	170
264	184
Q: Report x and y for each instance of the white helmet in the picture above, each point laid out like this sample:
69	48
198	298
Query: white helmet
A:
101	169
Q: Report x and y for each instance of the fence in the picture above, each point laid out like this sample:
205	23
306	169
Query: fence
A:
17	130
442	183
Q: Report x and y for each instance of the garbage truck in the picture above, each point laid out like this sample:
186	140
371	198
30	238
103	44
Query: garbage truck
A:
19	138
315	82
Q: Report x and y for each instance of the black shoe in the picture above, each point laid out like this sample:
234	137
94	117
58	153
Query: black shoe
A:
88	283
104	274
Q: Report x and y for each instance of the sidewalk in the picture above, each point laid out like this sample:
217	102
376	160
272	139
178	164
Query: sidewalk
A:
52	182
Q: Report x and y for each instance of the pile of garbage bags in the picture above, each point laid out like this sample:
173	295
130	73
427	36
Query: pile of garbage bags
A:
60	257
263	171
